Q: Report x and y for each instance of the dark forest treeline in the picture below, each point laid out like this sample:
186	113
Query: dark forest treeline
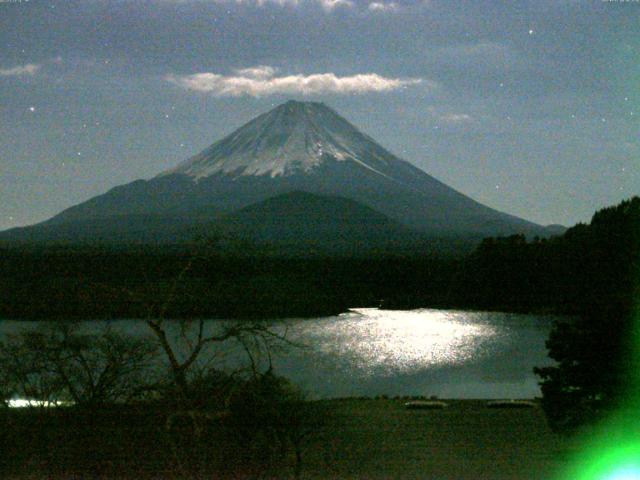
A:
592	272
96	283
588	263
596	352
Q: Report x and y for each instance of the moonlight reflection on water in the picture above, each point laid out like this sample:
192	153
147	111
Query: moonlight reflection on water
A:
390	342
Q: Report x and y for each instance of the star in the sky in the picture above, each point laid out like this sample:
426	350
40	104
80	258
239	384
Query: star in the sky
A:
32	109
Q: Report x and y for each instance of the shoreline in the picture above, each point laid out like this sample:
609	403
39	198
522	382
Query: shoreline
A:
311	315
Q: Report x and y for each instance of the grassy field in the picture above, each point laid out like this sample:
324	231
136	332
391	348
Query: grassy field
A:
381	439
365	439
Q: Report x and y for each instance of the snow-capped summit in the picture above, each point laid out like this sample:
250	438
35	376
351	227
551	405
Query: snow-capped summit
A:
294	137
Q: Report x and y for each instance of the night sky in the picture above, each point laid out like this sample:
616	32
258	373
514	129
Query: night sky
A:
531	107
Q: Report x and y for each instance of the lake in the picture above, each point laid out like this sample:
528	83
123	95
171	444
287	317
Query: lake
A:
369	352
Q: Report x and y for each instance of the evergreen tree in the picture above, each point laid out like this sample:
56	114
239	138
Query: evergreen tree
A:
596	350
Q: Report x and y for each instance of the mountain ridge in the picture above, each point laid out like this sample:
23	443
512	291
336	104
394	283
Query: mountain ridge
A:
308	147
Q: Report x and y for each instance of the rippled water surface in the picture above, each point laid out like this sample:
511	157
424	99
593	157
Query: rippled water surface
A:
420	352
447	353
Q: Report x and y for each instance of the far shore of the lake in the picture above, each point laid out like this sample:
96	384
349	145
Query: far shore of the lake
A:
330	312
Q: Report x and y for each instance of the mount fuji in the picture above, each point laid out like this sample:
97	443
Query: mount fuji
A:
297	147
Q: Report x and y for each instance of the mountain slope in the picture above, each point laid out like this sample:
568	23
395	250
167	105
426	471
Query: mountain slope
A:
117	229
303	221
306	147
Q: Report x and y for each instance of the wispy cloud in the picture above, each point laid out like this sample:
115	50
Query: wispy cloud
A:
262	80
260	3
261	71
456	117
441	114
383	6
332	4
327	5
28	69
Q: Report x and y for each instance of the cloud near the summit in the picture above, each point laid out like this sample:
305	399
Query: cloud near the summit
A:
28	69
261	71
262	80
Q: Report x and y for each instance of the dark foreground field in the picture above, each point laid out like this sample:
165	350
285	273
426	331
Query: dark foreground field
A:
381	439
366	439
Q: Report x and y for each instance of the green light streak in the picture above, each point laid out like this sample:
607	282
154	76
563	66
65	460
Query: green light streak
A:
604	461
612	451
